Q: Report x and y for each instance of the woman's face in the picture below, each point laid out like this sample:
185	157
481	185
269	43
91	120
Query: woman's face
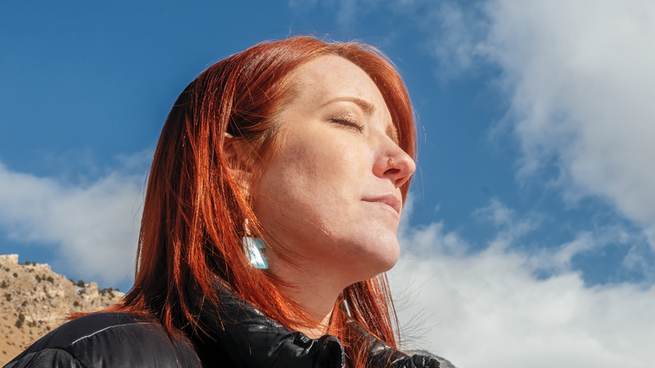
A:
331	192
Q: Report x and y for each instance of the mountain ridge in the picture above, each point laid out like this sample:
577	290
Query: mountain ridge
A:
34	300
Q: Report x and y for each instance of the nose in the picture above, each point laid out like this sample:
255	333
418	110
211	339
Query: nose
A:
394	164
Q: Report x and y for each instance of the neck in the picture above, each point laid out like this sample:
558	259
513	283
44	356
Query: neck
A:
315	290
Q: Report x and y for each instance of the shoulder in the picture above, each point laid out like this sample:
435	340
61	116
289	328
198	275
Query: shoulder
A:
107	340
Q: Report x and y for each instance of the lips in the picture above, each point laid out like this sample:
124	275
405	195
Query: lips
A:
389	199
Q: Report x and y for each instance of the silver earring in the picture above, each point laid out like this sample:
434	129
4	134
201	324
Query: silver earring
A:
255	249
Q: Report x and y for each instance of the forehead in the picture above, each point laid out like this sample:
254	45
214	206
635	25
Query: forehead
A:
333	75
332	78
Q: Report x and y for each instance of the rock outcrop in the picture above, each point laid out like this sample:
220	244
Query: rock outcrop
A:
34	300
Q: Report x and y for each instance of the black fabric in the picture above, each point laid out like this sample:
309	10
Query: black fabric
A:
232	335
108	340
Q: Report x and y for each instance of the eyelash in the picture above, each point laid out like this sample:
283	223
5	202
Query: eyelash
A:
348	122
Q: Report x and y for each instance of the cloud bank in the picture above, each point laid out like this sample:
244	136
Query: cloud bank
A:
491	308
580	80
93	227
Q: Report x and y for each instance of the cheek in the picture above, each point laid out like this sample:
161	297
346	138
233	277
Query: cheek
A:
310	188
318	167
294	181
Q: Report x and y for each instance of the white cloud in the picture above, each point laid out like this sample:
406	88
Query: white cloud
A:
580	78
94	227
488	309
456	35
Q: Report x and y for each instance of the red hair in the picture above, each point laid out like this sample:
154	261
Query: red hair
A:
194	210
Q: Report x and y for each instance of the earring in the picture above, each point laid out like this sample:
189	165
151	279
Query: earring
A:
391	163
255	249
344	304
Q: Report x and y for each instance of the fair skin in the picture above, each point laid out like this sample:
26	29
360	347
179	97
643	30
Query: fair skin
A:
330	195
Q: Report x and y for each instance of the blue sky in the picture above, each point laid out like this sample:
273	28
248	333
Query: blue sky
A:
533	195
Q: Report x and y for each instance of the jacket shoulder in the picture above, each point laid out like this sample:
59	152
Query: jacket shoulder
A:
107	340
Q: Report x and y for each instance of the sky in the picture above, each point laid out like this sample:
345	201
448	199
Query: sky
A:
529	235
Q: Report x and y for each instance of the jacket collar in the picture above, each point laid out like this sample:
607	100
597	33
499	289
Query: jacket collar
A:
238	331
243	333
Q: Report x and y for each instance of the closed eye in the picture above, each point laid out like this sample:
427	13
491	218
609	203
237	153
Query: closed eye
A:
348	123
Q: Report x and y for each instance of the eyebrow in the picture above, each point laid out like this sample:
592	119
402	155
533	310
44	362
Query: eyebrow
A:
368	107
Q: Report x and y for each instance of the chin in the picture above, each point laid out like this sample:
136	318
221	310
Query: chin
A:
390	262
380	261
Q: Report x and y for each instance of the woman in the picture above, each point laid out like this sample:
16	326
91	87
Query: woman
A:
269	221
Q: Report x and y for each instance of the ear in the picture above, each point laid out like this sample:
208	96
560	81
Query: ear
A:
237	154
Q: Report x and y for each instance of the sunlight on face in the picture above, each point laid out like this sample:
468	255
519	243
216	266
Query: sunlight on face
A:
331	193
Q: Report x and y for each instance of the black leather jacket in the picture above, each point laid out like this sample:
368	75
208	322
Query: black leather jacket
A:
236	335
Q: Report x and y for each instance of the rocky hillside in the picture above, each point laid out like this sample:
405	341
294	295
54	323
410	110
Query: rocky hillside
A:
34	300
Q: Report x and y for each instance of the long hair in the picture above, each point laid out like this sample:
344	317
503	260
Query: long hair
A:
194	212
